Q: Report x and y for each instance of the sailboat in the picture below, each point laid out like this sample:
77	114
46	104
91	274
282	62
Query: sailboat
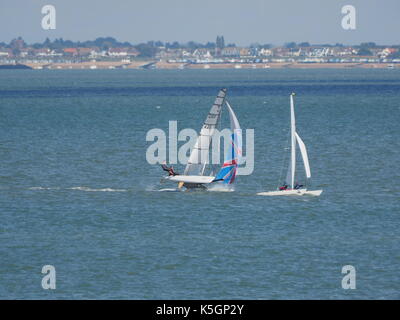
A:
195	174
291	187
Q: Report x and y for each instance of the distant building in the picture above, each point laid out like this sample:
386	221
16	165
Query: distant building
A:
168	54
24	52
71	51
281	52
132	52
245	52
345	51
202	53
84	51
265	52
320	52
230	52
386	52
123	52
5	53
45	52
117	52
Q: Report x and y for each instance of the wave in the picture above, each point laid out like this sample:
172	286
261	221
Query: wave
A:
97	190
168	190
220	188
43	188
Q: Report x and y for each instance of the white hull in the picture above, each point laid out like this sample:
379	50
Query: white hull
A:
191	179
296	192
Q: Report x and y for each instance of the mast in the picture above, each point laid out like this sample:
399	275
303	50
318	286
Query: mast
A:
293	141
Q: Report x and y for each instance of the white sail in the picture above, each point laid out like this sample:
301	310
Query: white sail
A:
292	165
234	121
200	154
304	155
237	133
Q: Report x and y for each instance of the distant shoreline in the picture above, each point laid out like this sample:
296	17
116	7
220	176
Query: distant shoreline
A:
14	67
166	65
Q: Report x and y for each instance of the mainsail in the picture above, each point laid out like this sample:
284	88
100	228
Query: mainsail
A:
290	178
304	155
227	173
199	156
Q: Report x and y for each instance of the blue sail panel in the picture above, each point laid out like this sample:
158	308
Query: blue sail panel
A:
228	171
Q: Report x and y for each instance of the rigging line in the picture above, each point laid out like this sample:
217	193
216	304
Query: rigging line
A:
285	156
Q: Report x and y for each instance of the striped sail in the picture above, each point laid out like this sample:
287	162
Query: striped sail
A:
228	171
199	156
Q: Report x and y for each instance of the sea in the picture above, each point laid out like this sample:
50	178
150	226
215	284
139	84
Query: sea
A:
78	193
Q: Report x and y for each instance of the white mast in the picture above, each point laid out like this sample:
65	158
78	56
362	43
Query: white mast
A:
293	140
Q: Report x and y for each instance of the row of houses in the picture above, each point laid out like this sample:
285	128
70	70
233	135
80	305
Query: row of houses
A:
236	52
90	53
199	55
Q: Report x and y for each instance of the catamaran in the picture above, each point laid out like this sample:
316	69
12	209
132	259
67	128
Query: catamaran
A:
195	174
290	186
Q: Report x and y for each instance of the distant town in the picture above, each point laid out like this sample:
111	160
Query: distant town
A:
108	53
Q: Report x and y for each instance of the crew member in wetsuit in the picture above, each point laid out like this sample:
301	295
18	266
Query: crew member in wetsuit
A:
298	186
284	187
170	170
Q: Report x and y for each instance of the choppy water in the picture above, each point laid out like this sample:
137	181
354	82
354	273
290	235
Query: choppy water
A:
76	191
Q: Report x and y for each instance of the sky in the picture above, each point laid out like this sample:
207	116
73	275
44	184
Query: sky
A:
240	21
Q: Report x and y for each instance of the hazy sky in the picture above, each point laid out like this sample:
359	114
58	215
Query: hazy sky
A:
240	21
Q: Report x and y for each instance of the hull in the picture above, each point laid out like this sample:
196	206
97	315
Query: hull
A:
191	179
314	192
191	182
297	192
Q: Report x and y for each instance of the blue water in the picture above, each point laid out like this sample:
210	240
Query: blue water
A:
76	191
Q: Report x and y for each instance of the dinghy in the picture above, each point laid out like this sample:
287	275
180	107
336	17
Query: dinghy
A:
195	174
290	187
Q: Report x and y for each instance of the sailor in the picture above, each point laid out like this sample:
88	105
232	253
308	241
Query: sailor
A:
298	186
170	170
284	187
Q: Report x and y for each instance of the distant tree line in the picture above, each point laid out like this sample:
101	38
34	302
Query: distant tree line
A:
149	48
146	49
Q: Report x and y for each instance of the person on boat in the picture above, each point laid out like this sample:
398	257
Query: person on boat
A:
298	186
170	170
284	187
